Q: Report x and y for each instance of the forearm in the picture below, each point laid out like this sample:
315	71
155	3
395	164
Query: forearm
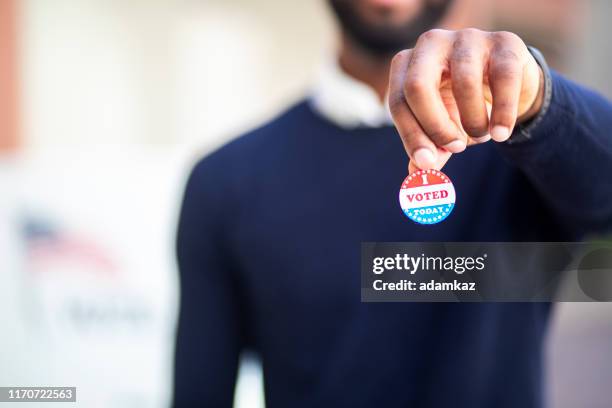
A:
568	157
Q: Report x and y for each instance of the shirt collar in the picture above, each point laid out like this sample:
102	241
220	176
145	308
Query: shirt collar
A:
346	101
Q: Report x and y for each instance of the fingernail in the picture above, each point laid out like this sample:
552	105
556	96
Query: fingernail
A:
456	146
500	133
482	139
424	158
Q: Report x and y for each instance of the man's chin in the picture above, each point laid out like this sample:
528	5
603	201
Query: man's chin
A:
386	38
382	45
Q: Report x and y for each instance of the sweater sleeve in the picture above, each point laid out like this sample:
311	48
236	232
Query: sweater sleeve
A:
568	157
209	337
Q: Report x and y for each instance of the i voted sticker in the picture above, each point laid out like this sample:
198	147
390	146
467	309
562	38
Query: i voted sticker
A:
427	196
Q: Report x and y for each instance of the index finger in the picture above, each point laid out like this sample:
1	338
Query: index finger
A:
422	151
428	62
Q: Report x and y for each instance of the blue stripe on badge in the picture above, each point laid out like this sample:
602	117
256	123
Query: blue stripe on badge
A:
430	214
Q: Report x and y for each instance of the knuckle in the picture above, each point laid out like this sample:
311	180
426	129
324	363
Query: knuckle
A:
463	53
466	83
400	57
468	37
432	34
505	54
439	135
469	32
468	48
471	78
506	37
503	106
416	57
505	70
414	85
474	127
465	80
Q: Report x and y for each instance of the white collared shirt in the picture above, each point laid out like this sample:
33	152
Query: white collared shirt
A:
346	101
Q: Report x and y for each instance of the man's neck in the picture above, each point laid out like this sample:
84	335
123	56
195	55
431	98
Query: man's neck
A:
365	67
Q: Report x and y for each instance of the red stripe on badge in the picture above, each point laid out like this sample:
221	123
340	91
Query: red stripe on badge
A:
425	177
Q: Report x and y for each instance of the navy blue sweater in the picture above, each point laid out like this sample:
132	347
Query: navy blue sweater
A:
269	250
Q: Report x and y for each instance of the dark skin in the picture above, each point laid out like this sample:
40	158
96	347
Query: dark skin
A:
455	88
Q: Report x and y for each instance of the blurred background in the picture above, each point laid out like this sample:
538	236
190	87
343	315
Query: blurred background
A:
104	107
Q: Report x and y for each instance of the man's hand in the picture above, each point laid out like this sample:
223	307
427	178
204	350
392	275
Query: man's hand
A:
458	88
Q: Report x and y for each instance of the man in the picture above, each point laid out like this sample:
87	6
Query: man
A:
271	225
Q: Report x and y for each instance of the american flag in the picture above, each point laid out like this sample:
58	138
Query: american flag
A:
49	245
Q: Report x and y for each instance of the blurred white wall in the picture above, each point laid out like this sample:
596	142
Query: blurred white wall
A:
163	71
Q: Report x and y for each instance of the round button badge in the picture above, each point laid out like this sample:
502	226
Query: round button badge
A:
427	196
